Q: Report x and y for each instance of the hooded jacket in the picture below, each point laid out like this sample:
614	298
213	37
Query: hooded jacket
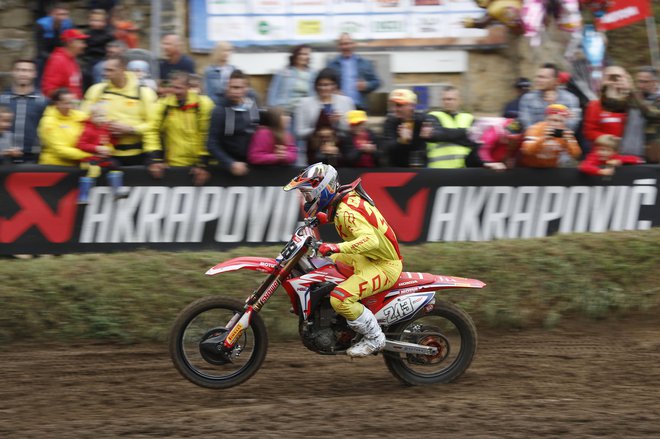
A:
179	130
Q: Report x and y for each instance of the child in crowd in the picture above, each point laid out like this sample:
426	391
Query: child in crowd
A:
97	140
272	144
604	158
360	142
550	144
8	151
143	72
500	140
324	146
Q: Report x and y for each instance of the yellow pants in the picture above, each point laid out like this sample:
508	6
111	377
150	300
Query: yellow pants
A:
370	277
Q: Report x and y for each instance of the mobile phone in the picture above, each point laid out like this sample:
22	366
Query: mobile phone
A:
558	132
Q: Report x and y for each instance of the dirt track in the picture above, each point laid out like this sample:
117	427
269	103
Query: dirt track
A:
598	380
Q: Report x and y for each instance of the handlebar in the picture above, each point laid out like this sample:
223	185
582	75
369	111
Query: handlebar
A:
314	243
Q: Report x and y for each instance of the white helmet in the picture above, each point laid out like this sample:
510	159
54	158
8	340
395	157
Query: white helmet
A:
318	184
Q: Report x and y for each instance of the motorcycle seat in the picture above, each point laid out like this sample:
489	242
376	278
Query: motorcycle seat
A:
406	279
412	279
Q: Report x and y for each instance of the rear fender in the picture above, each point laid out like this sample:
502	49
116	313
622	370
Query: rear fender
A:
264	265
411	293
444	282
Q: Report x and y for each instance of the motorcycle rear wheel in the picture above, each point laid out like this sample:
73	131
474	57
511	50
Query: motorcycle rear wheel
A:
446	327
206	318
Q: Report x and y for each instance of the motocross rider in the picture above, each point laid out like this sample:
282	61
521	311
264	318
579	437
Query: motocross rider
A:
369	246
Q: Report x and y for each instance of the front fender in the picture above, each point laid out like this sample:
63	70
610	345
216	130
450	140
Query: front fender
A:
264	265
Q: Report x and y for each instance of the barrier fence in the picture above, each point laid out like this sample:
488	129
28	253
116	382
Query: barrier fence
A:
39	211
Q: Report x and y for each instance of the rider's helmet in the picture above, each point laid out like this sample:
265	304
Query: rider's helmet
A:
318	185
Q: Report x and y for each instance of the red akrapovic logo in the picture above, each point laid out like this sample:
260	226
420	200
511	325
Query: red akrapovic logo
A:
407	223
56	225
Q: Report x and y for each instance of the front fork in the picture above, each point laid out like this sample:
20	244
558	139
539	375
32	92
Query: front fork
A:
241	322
237	327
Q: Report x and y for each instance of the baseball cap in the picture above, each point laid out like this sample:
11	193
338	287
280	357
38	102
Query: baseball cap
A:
523	83
403	96
560	109
356	116
73	34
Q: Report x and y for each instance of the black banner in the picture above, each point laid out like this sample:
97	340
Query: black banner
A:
39	211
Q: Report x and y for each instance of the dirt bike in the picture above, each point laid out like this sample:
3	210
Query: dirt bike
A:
218	342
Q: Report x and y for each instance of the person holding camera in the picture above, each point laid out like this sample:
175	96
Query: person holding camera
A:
550	144
620	115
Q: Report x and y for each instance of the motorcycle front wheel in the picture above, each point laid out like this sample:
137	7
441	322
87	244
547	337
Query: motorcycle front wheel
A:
447	328
206	320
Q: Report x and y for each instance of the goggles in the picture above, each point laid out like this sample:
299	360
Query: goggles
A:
307	196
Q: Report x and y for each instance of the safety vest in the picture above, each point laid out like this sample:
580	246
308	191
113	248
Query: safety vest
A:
446	155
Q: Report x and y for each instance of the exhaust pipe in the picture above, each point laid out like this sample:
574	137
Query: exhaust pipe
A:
409	348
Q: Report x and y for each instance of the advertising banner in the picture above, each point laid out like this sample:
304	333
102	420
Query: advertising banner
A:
39	213
290	22
622	13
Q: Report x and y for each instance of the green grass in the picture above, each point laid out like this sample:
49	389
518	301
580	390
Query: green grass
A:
134	297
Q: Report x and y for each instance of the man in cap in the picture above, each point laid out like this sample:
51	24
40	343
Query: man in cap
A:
522	86
406	131
62	69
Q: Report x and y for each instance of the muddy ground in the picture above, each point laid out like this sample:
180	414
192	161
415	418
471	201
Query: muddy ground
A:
589	380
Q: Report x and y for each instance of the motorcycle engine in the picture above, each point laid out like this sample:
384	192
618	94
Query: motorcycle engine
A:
325	332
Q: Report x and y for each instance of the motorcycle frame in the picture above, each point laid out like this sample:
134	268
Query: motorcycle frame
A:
267	288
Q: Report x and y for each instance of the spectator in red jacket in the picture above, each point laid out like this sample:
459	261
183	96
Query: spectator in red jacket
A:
97	139
607	115
604	159
62	69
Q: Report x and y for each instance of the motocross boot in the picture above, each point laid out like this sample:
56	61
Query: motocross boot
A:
373	339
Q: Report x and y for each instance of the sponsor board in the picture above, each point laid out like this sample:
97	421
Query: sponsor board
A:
39	214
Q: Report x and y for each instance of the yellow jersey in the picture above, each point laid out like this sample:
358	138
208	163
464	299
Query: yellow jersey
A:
364	230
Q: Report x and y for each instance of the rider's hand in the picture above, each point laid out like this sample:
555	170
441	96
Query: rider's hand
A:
326	249
322	217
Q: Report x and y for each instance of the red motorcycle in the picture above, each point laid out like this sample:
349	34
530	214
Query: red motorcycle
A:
218	342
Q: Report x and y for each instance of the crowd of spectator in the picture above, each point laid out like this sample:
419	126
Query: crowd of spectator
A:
83	102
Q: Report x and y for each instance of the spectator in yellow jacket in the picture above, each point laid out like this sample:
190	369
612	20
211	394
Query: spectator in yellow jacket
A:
179	126
128	107
59	130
